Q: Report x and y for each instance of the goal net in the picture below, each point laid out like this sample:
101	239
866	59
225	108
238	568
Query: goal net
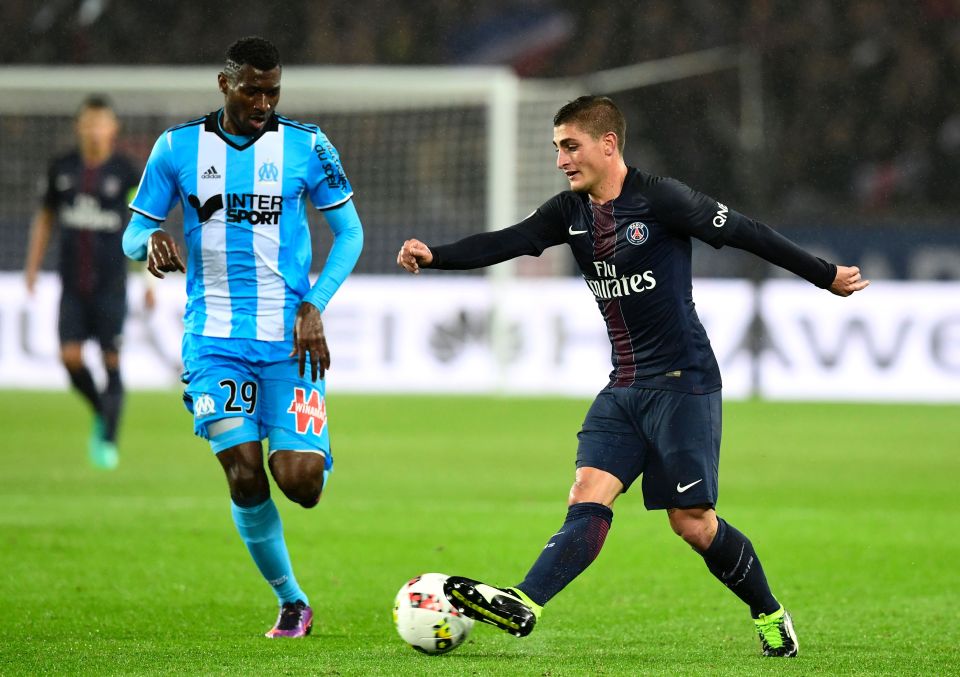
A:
435	153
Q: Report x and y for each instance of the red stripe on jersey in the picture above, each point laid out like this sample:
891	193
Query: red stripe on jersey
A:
604	231
624	359
604	245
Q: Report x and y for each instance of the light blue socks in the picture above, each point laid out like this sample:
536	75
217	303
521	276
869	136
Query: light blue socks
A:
261	529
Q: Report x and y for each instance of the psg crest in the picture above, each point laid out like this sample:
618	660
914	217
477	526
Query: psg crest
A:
637	233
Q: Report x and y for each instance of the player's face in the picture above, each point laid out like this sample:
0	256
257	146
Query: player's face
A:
249	99
96	131
583	159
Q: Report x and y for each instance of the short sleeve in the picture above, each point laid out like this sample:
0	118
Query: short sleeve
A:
157	193
328	183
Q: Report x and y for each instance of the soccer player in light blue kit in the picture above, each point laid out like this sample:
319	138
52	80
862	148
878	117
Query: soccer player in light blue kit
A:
253	320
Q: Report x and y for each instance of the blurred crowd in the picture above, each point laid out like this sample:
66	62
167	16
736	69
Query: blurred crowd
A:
861	97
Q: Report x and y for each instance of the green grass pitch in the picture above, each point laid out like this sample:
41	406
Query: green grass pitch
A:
852	508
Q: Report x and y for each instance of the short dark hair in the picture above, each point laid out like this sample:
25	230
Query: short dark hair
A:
595	115
253	50
95	102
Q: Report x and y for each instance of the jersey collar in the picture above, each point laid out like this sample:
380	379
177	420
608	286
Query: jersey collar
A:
212	124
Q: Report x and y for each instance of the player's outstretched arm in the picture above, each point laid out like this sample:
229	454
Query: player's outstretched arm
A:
414	254
527	238
847	281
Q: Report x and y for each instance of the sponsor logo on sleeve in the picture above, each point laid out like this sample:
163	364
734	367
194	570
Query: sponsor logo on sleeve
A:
720	218
332	169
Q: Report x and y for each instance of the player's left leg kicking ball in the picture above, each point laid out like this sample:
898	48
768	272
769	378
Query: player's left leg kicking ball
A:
239	392
678	459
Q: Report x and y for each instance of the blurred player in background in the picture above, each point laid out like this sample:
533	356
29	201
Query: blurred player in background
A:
659	416
253	320
86	193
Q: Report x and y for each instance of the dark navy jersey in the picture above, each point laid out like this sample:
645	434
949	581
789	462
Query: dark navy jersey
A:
634	253
90	207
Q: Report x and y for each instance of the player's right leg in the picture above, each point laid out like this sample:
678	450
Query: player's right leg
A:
223	394
609	459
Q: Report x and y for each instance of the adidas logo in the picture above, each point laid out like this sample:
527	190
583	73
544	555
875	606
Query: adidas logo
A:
210	173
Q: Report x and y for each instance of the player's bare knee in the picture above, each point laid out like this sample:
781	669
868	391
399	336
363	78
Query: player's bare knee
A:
696	529
305	494
248	484
299	475
72	359
243	466
594	486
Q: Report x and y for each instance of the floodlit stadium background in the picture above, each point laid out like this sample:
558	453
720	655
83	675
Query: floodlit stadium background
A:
837	123
838	126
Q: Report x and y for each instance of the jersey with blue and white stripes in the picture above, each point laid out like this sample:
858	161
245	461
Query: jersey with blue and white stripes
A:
245	223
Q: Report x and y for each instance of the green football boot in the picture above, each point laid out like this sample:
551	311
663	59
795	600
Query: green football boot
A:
103	454
777	636
506	608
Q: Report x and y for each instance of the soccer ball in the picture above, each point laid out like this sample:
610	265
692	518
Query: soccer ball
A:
425	619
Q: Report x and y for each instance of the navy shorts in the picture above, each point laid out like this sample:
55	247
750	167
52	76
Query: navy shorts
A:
97	316
671	438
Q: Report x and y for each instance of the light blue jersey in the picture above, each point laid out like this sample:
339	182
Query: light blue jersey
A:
245	223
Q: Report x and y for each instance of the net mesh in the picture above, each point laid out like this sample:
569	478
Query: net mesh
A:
419	173
420	148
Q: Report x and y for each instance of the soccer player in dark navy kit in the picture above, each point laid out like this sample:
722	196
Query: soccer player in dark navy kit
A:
86	194
659	416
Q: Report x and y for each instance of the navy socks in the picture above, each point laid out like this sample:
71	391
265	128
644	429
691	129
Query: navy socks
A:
82	380
569	552
111	402
732	559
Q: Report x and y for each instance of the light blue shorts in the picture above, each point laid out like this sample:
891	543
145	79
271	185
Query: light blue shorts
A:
255	381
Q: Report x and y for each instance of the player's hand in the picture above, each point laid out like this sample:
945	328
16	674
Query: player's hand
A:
163	255
414	254
308	338
847	281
